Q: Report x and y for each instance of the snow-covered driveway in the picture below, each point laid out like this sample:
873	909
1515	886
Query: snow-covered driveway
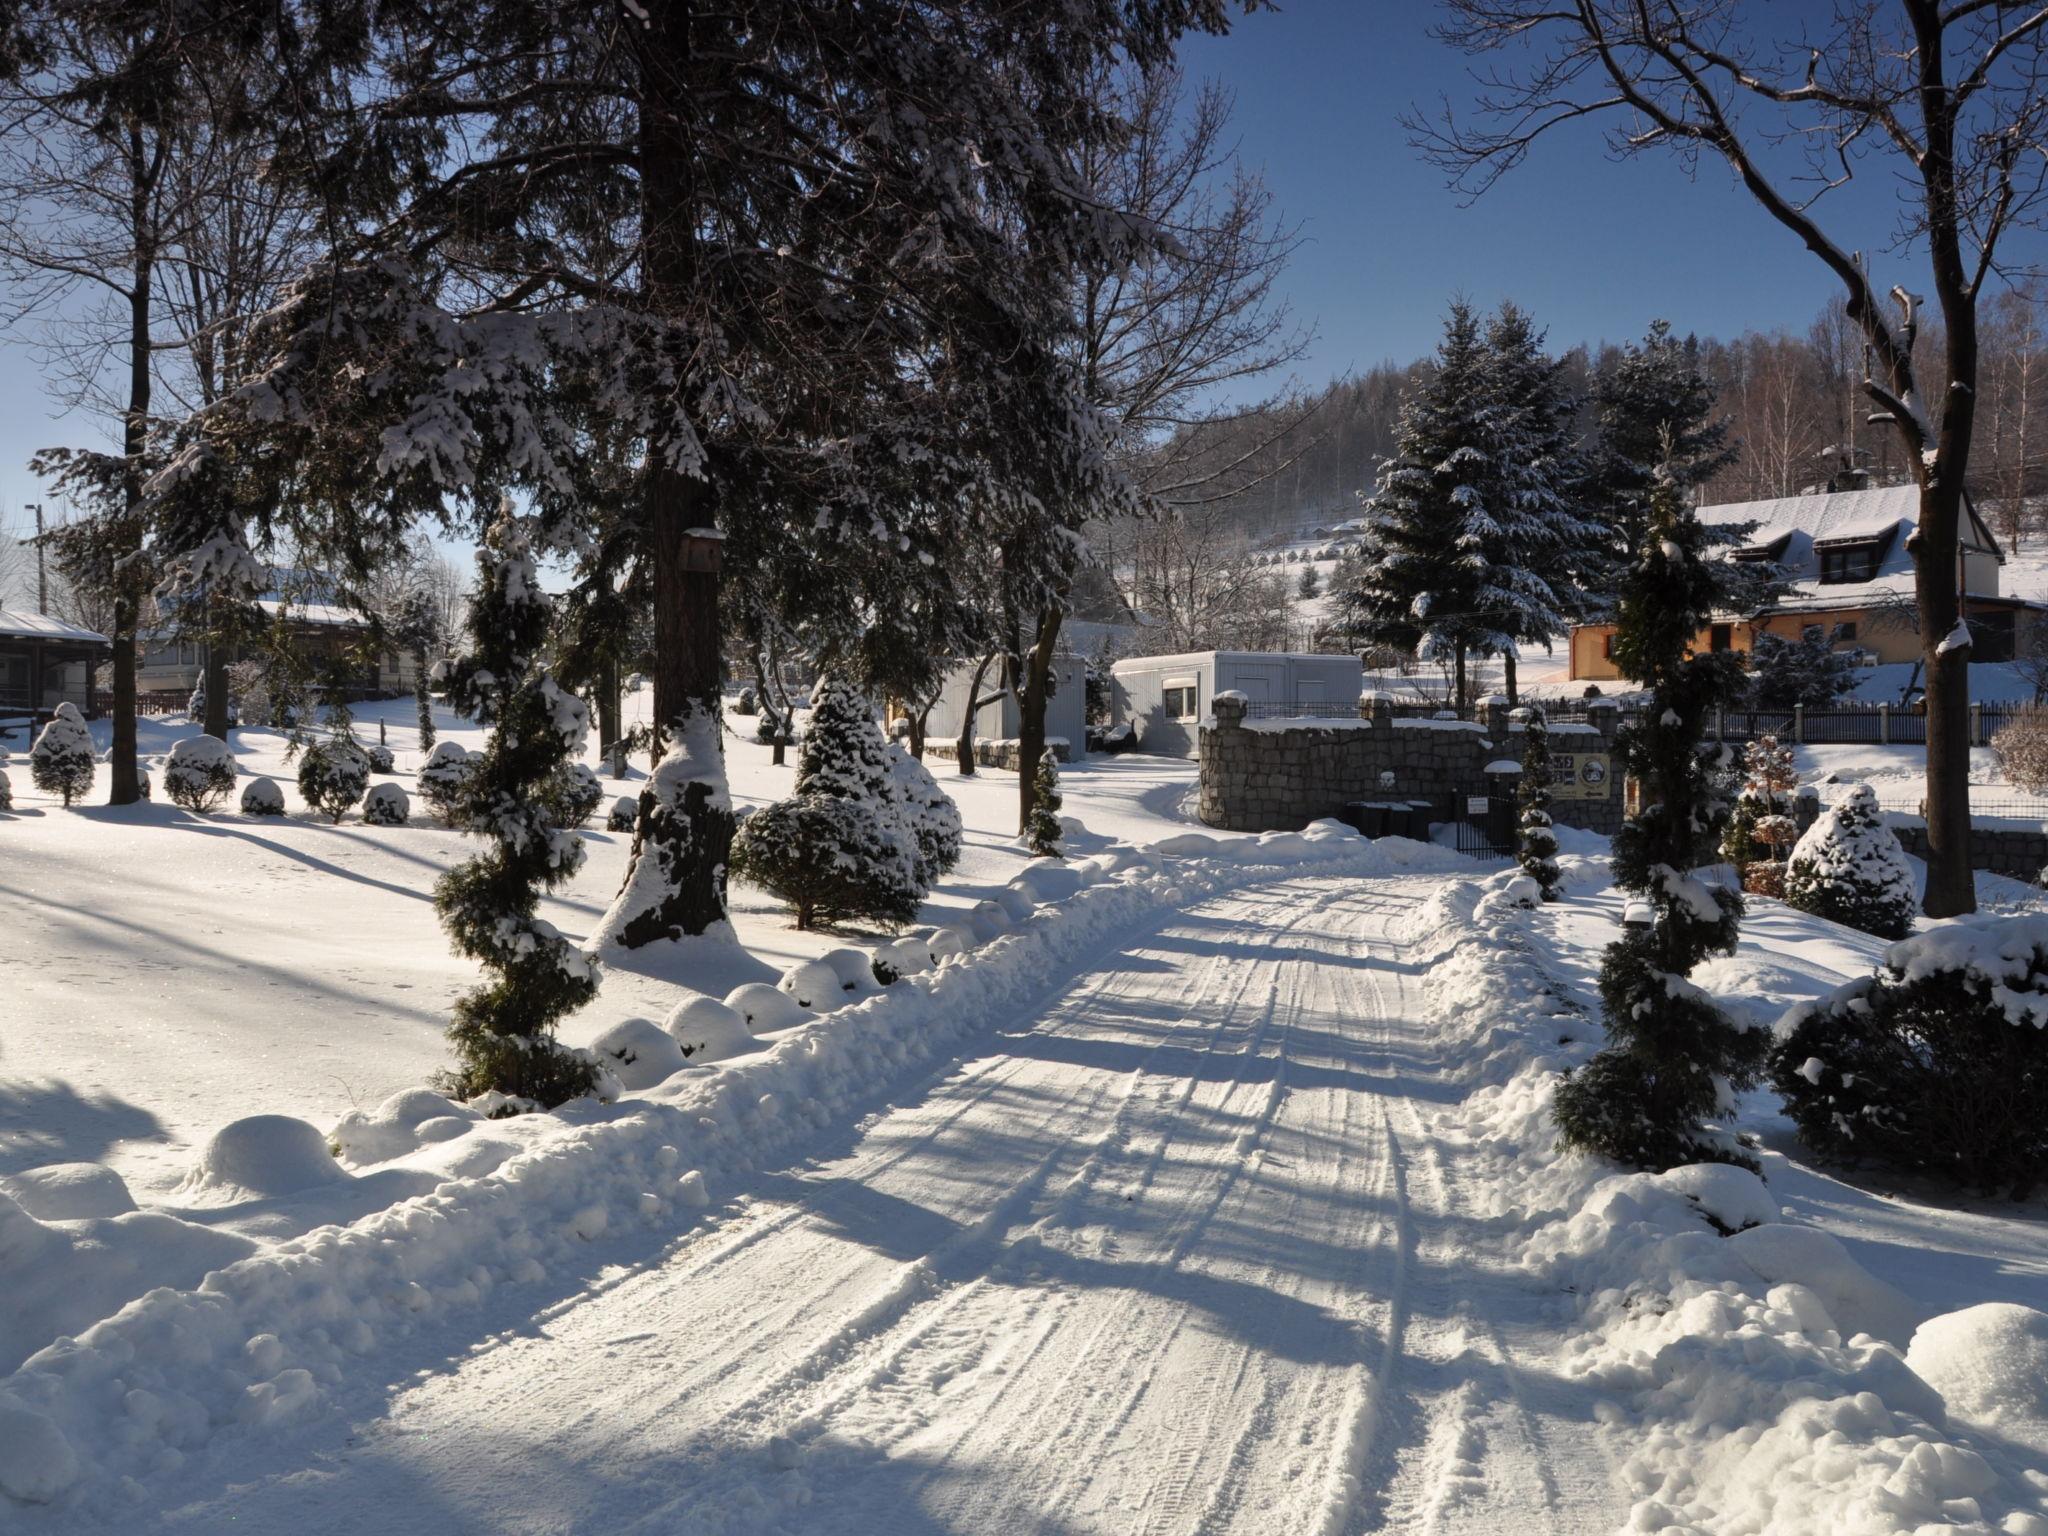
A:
1182	1253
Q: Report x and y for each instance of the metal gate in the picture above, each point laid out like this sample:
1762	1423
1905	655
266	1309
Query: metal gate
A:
1483	821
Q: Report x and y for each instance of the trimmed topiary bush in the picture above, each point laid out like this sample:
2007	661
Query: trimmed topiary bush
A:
1044	832
624	815
6	792
441	781
386	806
928	815
573	795
379	757
262	797
61	761
1938	1063
829	860
332	777
199	773
1850	868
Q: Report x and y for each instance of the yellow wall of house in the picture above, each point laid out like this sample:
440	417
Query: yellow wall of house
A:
1877	631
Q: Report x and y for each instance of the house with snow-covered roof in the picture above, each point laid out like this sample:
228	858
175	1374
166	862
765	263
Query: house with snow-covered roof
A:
45	662
319	629
1846	573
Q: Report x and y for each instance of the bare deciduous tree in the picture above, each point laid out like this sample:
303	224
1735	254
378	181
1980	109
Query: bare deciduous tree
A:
1946	94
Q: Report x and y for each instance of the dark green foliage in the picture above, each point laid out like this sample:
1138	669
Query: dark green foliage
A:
1938	1064
829	860
1536	849
504	1030
61	761
1647	1097
1849	868
1044	832
573	795
1785	673
199	774
333	776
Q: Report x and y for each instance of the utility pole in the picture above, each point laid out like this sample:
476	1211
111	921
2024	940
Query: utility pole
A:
42	563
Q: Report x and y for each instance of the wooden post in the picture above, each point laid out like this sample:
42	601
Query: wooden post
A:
1976	723
1799	724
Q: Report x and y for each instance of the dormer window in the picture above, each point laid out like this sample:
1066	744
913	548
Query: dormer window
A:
1841	564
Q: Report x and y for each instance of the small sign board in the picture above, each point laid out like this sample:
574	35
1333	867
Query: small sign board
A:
1581	776
1475	805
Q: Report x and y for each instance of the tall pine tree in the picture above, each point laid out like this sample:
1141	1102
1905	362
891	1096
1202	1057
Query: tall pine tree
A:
1672	1056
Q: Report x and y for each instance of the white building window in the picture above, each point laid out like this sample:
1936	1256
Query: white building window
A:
1182	698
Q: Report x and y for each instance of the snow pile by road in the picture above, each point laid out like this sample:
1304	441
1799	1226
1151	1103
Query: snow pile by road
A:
1759	1377
262	1343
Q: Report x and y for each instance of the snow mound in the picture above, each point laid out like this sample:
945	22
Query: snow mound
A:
36	1461
69	1191
639	1052
1188	845
1856	1300
1990	1365
392	1129
906	956
261	1155
812	984
1732	1198
855	969
706	1030
1017	903
1045	883
763	1007
988	921
948	940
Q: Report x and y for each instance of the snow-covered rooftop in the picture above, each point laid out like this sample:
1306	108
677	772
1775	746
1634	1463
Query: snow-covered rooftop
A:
1195	658
1829	515
40	626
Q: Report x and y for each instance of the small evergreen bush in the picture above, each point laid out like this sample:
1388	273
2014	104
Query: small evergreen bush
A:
1850	868
441	780
573	795
332	777
928	814
199	773
829	860
262	797
6	792
624	815
1044	831
1937	1064
61	761
379	757
1536	849
386	806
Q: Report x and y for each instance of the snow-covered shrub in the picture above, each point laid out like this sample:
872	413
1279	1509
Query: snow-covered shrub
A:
814	985
386	805
1850	868
1536	843
61	761
199	774
1761	827
6	792
928	814
573	795
332	777
762	1007
504	1030
1809	671
639	1052
708	1030
744	704
262	797
441	780
1043	832
624	815
1938	1063
379	757
828	860
2021	750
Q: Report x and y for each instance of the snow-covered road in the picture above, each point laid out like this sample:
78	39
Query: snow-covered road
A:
1184	1252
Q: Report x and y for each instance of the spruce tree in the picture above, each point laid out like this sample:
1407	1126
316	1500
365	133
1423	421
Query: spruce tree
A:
1416	585
1761	827
1536	850
504	1030
1045	829
1850	868
1672	1055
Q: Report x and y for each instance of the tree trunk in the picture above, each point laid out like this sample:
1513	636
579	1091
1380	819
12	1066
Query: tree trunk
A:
675	882
1031	702
1951	883
610	728
214	679
1508	665
126	783
1458	699
964	748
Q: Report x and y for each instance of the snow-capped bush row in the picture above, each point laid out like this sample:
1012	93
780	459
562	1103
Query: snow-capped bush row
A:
1760	1379
281	1334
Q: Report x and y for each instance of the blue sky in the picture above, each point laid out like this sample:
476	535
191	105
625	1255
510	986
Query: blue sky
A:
1595	248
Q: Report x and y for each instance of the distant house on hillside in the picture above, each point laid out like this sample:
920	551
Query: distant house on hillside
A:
45	662
1849	580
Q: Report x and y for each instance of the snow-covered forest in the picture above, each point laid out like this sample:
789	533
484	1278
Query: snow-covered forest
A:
592	937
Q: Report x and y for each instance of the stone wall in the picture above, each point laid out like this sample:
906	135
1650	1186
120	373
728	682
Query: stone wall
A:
996	754
1275	775
2018	851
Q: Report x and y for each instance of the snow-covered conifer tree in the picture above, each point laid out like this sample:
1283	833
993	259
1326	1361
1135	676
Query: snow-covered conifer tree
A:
1648	1098
1536	848
1044	832
929	813
441	779
333	775
61	761
199	773
504	1030
1761	827
1849	867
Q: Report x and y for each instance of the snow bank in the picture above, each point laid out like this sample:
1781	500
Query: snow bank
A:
265	1337
1990	1365
1752	1371
69	1192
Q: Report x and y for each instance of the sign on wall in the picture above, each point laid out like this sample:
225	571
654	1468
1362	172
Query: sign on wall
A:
1581	776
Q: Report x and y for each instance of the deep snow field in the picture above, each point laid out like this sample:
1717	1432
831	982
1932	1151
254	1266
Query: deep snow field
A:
1212	1188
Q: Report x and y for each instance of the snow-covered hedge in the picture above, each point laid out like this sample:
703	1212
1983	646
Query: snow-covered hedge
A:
1937	1063
386	805
199	773
332	777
